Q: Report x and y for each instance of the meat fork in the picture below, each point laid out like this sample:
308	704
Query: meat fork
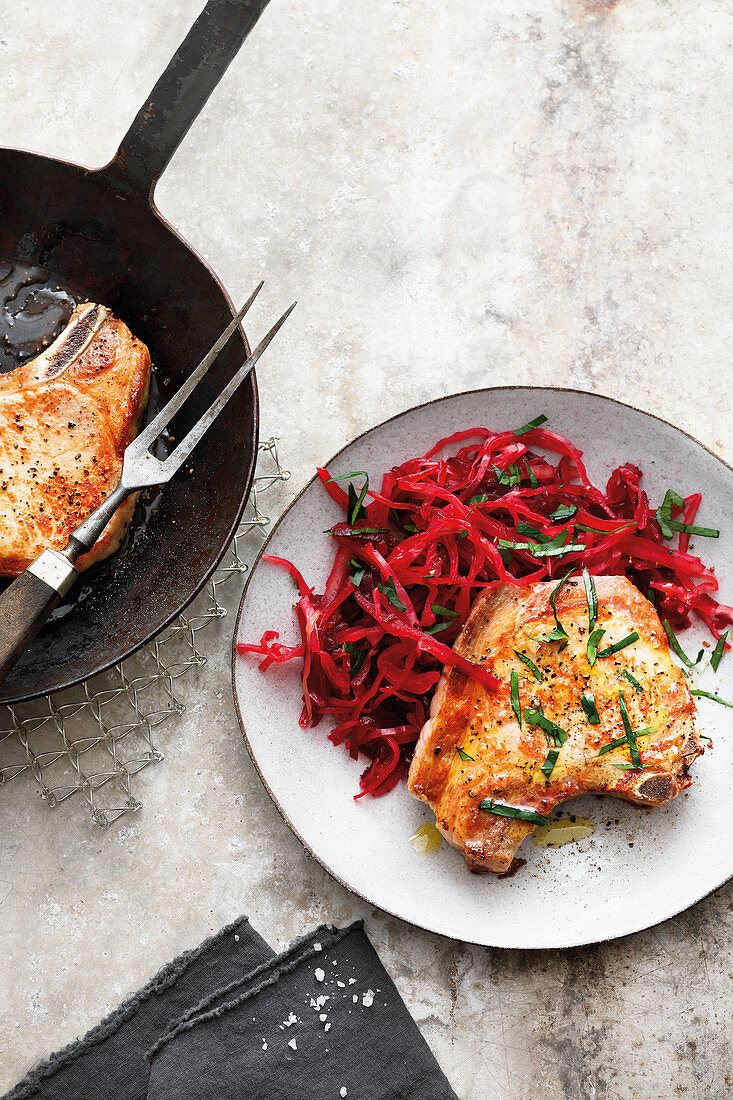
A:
26	604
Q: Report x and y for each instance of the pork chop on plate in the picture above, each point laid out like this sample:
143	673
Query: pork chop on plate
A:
619	723
66	418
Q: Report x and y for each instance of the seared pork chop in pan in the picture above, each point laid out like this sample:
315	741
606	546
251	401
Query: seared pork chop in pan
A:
66	418
592	721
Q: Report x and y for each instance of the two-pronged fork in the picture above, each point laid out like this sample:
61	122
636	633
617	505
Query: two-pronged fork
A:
29	600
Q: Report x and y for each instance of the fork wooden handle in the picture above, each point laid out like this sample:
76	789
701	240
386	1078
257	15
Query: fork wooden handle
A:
26	604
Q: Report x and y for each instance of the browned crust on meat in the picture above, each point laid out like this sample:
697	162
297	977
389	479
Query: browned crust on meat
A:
507	760
62	439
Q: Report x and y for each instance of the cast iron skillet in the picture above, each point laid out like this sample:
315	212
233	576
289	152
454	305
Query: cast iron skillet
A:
100	230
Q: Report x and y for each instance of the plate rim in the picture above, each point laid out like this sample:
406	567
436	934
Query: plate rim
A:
234	658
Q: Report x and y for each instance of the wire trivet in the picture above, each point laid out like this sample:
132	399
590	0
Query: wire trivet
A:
92	740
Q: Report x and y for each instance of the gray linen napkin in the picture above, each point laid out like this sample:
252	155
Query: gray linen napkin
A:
231	1020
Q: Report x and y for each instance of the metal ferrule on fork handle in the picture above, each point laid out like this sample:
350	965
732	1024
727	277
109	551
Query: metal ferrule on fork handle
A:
54	569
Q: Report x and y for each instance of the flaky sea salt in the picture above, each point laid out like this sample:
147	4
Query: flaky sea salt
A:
292	1043
317	947
342	1091
320	974
323	1017
352	981
368	998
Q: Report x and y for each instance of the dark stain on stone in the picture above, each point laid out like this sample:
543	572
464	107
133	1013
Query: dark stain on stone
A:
453	984
597	7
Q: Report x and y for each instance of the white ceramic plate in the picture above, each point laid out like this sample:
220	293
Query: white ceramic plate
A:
639	867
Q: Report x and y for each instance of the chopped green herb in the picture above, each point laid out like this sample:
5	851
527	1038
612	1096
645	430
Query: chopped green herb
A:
359	571
630	735
411	528
509	477
564	512
624	741
718	652
553	596
553	636
516	704
551	549
704	737
347	477
537	718
530	665
633	681
592	599
487	806
588	701
462	535
436	628
674	642
351	531
667	525
464	755
611	649
691	529
444	611
478	499
531	474
709	695
541	419
631	767
533	533
505	555
550	762
358	656
355	509
592	645
390	592
602	530
664	511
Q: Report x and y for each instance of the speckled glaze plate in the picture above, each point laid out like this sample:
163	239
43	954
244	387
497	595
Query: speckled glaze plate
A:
639	867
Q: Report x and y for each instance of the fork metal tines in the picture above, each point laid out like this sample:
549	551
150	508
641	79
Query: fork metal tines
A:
140	468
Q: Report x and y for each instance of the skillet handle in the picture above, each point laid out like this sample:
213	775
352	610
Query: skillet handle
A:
27	603
192	74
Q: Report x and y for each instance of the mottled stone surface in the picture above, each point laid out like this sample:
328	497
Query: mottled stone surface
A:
460	194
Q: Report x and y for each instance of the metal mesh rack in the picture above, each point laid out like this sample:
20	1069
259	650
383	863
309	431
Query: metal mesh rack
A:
91	741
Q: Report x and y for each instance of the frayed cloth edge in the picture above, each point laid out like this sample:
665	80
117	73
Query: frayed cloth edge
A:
300	951
163	980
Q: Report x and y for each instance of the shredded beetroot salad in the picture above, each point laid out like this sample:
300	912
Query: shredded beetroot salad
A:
479	509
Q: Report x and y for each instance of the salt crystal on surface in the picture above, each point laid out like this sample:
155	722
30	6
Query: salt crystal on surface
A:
355	998
326	1027
368	998
341	985
320	974
264	1045
236	939
292	1043
323	1016
352	981
342	1091
318	947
